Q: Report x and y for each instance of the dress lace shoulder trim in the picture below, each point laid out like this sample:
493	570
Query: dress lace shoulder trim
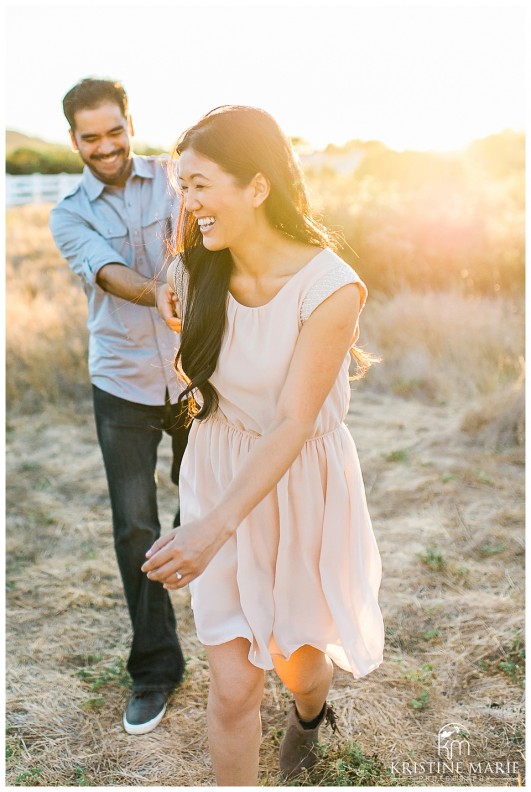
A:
327	285
180	283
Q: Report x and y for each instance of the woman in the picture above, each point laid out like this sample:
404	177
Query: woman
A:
275	542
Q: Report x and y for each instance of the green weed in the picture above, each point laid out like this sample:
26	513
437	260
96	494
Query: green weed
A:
95	703
483	478
490	549
354	768
96	678
275	736
420	677
29	778
421	701
423	675
400	455
92	659
433	558
514	662
13	746
80	777
347	766
446	477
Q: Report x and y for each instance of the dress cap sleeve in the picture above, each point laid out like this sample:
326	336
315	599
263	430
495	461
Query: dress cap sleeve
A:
327	285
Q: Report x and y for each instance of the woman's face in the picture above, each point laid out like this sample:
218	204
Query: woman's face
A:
224	210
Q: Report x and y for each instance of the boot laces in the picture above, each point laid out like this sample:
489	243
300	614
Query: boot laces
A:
331	719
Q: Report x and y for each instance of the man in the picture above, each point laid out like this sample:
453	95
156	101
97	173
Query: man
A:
112	229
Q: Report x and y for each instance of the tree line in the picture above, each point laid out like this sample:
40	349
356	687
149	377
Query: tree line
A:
405	219
25	160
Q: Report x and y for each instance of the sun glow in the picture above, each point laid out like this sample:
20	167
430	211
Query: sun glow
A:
424	77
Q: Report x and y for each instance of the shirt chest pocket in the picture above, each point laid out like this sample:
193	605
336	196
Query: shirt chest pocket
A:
110	227
113	233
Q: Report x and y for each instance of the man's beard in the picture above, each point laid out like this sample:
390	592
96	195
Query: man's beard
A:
122	173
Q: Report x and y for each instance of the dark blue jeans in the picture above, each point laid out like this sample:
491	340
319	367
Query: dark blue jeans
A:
129	435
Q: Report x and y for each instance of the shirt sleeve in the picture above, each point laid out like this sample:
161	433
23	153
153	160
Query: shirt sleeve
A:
84	248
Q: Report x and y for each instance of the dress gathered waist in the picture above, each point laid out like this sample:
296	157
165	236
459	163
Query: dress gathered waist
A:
222	419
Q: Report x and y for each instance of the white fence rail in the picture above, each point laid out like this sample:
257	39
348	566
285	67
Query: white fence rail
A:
39	187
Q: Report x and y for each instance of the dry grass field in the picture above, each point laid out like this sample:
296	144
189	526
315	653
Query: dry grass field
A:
439	426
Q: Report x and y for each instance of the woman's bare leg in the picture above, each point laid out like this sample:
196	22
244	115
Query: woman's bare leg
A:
308	675
233	713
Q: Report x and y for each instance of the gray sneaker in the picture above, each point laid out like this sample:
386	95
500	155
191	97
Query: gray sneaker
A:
145	711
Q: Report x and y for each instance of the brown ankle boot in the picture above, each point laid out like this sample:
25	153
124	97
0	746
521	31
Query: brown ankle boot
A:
298	748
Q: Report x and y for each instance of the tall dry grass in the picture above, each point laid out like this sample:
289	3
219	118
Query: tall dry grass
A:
441	346
46	313
444	347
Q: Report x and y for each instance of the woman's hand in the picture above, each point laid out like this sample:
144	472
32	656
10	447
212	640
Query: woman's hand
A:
168	307
185	550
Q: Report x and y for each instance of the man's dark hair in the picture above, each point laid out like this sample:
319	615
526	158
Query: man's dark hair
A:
90	93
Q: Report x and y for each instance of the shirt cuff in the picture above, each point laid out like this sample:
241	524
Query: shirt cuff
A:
91	267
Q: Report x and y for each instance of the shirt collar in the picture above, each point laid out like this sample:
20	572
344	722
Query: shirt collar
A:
95	187
141	167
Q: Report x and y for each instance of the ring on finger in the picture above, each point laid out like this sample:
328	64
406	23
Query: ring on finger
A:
178	575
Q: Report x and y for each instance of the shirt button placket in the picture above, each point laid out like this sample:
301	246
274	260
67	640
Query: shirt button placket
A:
133	219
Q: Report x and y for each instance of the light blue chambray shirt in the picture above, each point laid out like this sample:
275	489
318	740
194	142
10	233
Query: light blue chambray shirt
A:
131	349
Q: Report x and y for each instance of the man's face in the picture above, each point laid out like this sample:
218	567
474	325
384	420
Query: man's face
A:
102	136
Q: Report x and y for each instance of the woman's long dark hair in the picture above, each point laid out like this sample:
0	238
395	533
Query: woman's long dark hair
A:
243	141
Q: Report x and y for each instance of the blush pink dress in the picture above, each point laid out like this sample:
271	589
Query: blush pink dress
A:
303	567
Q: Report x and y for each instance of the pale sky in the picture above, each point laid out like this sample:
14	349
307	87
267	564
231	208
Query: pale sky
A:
431	75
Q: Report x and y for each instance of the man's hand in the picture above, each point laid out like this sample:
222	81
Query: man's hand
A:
168	307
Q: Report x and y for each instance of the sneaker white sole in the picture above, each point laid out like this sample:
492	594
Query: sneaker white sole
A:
144	728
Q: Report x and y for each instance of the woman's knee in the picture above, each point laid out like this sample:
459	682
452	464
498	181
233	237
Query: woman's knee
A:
305	672
236	686
303	684
233	699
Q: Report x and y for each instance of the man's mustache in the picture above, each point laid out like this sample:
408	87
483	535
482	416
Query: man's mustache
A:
106	156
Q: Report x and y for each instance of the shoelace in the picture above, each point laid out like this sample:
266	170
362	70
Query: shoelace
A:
331	719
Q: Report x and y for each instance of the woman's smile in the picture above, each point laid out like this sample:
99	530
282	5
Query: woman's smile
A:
205	224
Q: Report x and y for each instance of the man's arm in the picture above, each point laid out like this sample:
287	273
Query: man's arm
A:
128	284
92	258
